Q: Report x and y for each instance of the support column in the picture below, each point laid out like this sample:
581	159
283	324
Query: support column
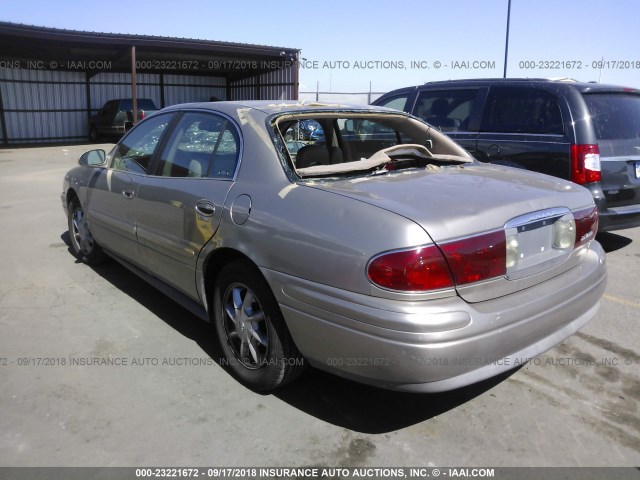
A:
3	121
134	99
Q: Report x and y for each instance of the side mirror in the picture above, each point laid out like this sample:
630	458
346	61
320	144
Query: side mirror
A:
92	158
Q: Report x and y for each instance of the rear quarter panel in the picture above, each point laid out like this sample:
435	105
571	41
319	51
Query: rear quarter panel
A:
316	235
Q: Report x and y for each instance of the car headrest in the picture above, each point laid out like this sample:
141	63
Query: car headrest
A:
311	155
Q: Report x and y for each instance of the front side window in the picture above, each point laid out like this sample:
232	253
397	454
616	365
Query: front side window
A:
522	110
202	145
135	150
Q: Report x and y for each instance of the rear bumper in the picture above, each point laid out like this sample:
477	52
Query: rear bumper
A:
436	345
619	218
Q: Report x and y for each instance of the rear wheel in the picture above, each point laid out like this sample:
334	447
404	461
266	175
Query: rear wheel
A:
82	243
255	342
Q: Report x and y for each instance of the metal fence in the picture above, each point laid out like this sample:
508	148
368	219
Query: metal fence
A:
49	105
55	106
340	97
41	106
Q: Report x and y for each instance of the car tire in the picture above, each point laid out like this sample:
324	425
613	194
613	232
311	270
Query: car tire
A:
93	134
82	242
256	345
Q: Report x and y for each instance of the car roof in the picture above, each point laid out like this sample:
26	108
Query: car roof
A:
278	106
582	87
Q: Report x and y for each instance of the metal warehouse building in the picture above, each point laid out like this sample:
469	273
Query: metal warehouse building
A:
53	80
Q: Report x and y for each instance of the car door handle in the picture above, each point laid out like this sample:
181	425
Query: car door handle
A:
128	193
205	208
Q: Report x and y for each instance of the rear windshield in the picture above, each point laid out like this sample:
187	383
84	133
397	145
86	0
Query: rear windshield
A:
341	144
615	116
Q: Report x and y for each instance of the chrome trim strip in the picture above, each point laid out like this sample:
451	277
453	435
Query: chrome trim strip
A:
630	209
535	217
521	134
621	158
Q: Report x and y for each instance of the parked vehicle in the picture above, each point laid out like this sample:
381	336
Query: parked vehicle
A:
116	117
386	254
317	135
306	129
584	132
303	131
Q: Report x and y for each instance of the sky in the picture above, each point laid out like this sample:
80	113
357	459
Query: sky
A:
354	46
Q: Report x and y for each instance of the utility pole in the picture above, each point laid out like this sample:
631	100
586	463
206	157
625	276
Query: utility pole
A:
506	44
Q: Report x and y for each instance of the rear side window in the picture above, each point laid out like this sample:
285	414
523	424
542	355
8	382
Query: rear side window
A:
398	102
448	110
362	138
614	116
522	110
201	145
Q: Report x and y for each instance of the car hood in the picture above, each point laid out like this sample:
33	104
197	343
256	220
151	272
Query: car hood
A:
457	201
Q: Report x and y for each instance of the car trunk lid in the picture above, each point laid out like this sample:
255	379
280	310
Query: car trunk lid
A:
458	202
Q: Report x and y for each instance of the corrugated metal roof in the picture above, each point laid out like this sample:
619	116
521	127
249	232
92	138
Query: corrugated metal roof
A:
62	34
56	78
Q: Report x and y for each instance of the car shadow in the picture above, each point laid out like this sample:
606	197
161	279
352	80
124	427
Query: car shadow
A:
612	241
170	312
344	403
372	410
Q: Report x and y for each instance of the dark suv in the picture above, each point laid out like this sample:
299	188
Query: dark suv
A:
585	132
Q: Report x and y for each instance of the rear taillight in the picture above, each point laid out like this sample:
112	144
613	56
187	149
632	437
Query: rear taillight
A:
422	269
586	225
477	258
141	114
416	270
585	163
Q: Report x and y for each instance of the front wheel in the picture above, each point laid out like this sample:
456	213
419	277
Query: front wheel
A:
82	243
256	345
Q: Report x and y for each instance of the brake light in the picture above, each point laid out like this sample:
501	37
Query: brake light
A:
141	114
477	258
585	163
431	268
586	225
416	270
